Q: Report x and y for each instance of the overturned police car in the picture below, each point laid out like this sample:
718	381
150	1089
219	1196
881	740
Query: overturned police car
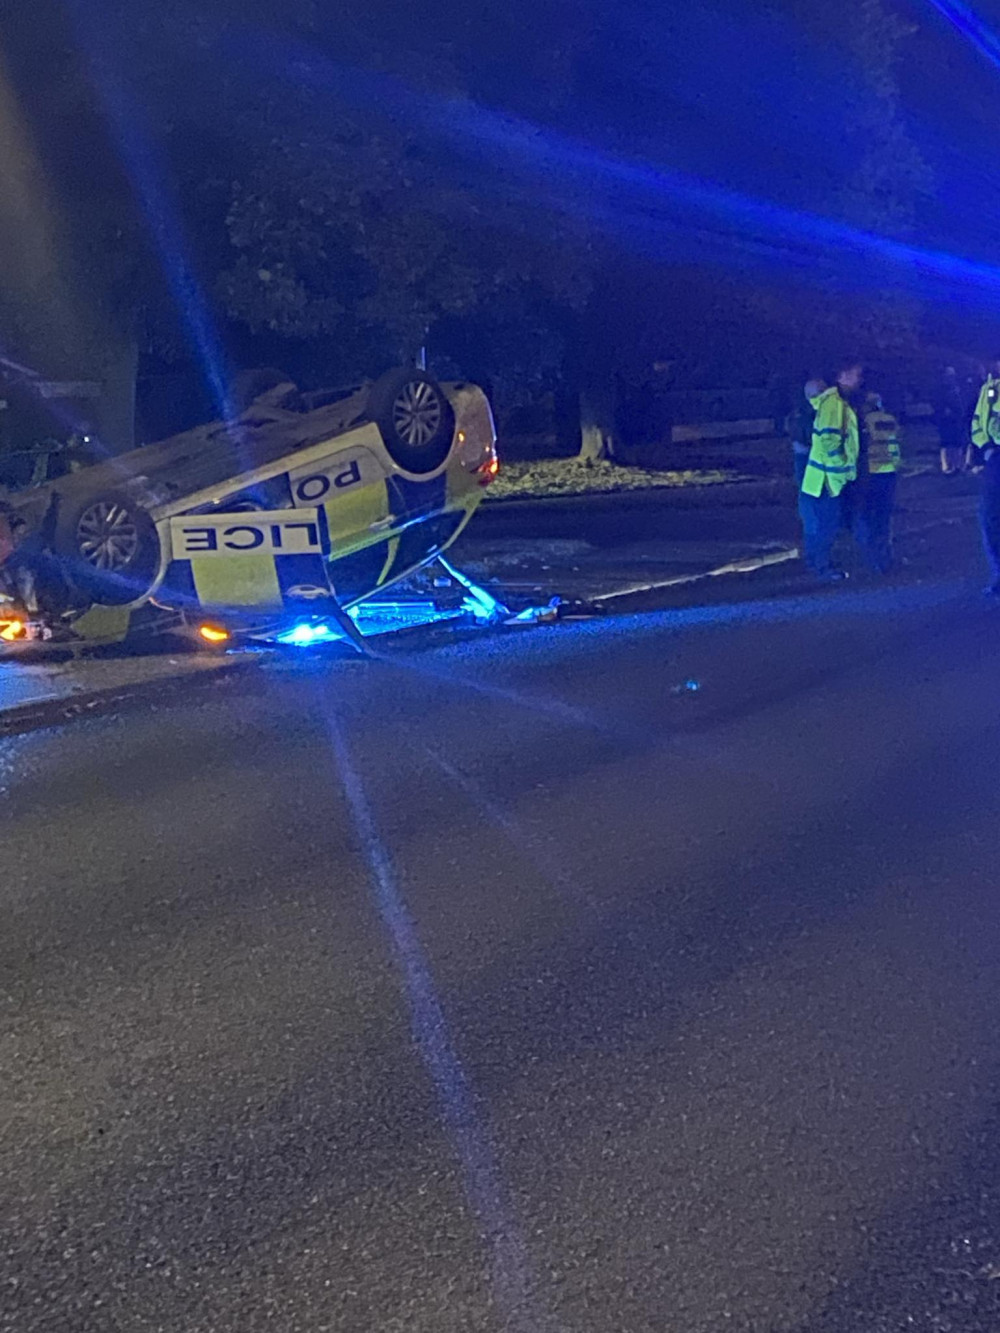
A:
300	502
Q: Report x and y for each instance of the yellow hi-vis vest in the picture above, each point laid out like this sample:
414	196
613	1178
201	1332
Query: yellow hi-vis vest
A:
833	458
986	422
882	433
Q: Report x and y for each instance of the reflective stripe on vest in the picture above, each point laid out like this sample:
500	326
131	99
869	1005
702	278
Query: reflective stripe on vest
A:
883	442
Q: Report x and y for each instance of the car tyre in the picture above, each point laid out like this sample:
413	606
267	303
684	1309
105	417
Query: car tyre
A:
415	419
108	547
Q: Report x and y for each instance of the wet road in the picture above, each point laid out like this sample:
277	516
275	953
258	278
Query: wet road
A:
516	985
591	546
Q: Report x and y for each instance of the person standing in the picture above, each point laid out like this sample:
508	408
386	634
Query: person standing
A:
877	498
986	440
952	419
970	393
831	466
799	427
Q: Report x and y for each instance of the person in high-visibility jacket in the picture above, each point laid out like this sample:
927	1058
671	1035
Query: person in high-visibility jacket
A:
832	465
881	456
985	427
986	442
799	426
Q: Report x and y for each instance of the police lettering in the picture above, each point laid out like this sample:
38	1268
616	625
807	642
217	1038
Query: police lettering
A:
349	477
310	529
236	537
201	539
311	490
255	534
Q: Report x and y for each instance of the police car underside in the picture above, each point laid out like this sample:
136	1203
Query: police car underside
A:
280	520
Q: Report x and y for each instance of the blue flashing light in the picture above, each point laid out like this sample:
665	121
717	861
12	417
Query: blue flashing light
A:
384	617
482	604
306	634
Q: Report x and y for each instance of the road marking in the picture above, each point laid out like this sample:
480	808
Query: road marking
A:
747	565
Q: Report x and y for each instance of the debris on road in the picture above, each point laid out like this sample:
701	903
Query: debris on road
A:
557	608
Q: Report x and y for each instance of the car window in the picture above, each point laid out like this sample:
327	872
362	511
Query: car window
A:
17	470
60	463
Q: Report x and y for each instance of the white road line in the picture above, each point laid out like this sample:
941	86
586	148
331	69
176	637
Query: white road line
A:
745	566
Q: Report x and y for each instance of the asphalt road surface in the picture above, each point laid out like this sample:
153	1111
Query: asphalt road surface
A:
519	985
594	545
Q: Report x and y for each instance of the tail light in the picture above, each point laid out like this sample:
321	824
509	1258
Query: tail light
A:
489	470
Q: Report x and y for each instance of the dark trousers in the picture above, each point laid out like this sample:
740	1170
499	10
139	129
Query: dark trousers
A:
989	513
873	519
800	460
821	519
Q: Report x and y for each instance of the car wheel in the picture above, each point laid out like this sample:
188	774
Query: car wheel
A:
108	547
414	418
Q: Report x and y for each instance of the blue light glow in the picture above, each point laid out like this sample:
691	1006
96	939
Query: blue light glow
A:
547	859
124	118
556	709
372	618
480	1171
383	617
970	25
306	634
482	604
653	210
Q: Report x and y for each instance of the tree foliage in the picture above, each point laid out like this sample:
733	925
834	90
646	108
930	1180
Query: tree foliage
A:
321	213
368	242
886	186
